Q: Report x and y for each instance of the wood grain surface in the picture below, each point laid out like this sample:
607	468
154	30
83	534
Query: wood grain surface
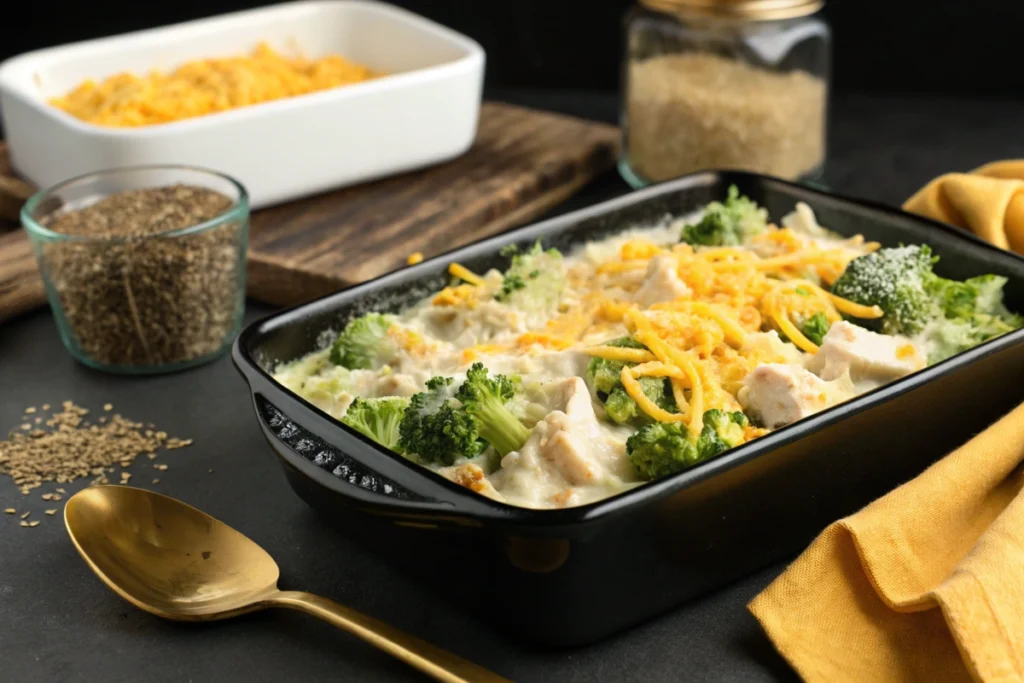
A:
522	163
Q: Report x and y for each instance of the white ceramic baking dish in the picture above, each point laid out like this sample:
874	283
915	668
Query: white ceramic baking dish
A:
423	113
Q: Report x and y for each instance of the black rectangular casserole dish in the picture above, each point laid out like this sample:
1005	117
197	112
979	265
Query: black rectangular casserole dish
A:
571	576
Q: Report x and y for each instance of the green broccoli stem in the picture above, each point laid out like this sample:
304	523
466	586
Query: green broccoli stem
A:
498	426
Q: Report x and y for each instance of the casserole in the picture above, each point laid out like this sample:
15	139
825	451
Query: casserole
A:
424	112
571	576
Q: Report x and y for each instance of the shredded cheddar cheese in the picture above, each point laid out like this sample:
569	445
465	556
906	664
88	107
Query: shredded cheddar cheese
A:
206	86
465	274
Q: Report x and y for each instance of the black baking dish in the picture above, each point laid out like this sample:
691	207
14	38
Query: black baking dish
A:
571	576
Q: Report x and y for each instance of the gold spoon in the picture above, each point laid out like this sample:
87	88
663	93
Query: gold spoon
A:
176	562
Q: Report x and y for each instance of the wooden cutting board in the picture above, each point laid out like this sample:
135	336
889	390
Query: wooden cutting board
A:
523	163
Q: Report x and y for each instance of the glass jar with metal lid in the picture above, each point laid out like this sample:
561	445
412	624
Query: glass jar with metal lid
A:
727	84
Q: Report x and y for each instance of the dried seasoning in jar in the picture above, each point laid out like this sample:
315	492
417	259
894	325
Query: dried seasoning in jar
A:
143	279
725	84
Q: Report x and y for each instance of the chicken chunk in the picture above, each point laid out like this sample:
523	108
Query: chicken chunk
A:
397	384
778	394
661	283
866	355
471	476
569	442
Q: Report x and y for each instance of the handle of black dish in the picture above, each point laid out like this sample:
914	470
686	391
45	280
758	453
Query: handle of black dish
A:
444	499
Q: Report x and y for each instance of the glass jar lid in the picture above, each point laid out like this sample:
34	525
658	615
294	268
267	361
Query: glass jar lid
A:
751	10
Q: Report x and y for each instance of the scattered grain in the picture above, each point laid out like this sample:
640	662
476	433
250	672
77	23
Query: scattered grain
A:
24	516
156	481
10	511
30	410
26	426
60	490
173	443
689	112
46	406
23	523
160	466
70	450
151	456
52	512
34	522
108	407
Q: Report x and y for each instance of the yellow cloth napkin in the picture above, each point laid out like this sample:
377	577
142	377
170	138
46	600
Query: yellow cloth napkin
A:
925	584
988	201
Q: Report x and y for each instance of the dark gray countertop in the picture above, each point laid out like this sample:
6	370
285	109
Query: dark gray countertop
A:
60	623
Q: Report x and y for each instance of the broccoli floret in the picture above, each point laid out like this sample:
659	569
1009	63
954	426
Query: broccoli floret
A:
604	374
972	312
620	408
895	280
722	431
484	398
816	327
727	223
378	418
951	316
661	449
534	279
437	428
364	342
605	379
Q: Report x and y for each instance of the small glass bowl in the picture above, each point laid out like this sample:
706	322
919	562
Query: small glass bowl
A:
149	303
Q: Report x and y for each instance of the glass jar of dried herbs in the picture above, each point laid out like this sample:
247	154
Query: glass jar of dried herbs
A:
144	267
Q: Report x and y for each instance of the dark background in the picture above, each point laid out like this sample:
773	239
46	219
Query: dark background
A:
952	47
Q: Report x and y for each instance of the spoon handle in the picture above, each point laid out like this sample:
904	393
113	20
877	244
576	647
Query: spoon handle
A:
417	653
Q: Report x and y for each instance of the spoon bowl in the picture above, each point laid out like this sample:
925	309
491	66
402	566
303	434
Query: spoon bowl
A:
167	557
177	562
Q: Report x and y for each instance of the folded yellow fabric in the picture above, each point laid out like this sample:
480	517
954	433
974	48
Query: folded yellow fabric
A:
925	584
988	201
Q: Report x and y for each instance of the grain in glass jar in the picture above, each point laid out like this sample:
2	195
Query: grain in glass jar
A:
725	84
144	266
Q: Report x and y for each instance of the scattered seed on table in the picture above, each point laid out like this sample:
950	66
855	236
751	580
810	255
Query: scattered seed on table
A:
51	512
125	476
159	466
24	523
39	420
10	511
26	426
156	481
151	456
34	522
26	514
108	407
67	449
173	443
30	410
209	471
46	406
